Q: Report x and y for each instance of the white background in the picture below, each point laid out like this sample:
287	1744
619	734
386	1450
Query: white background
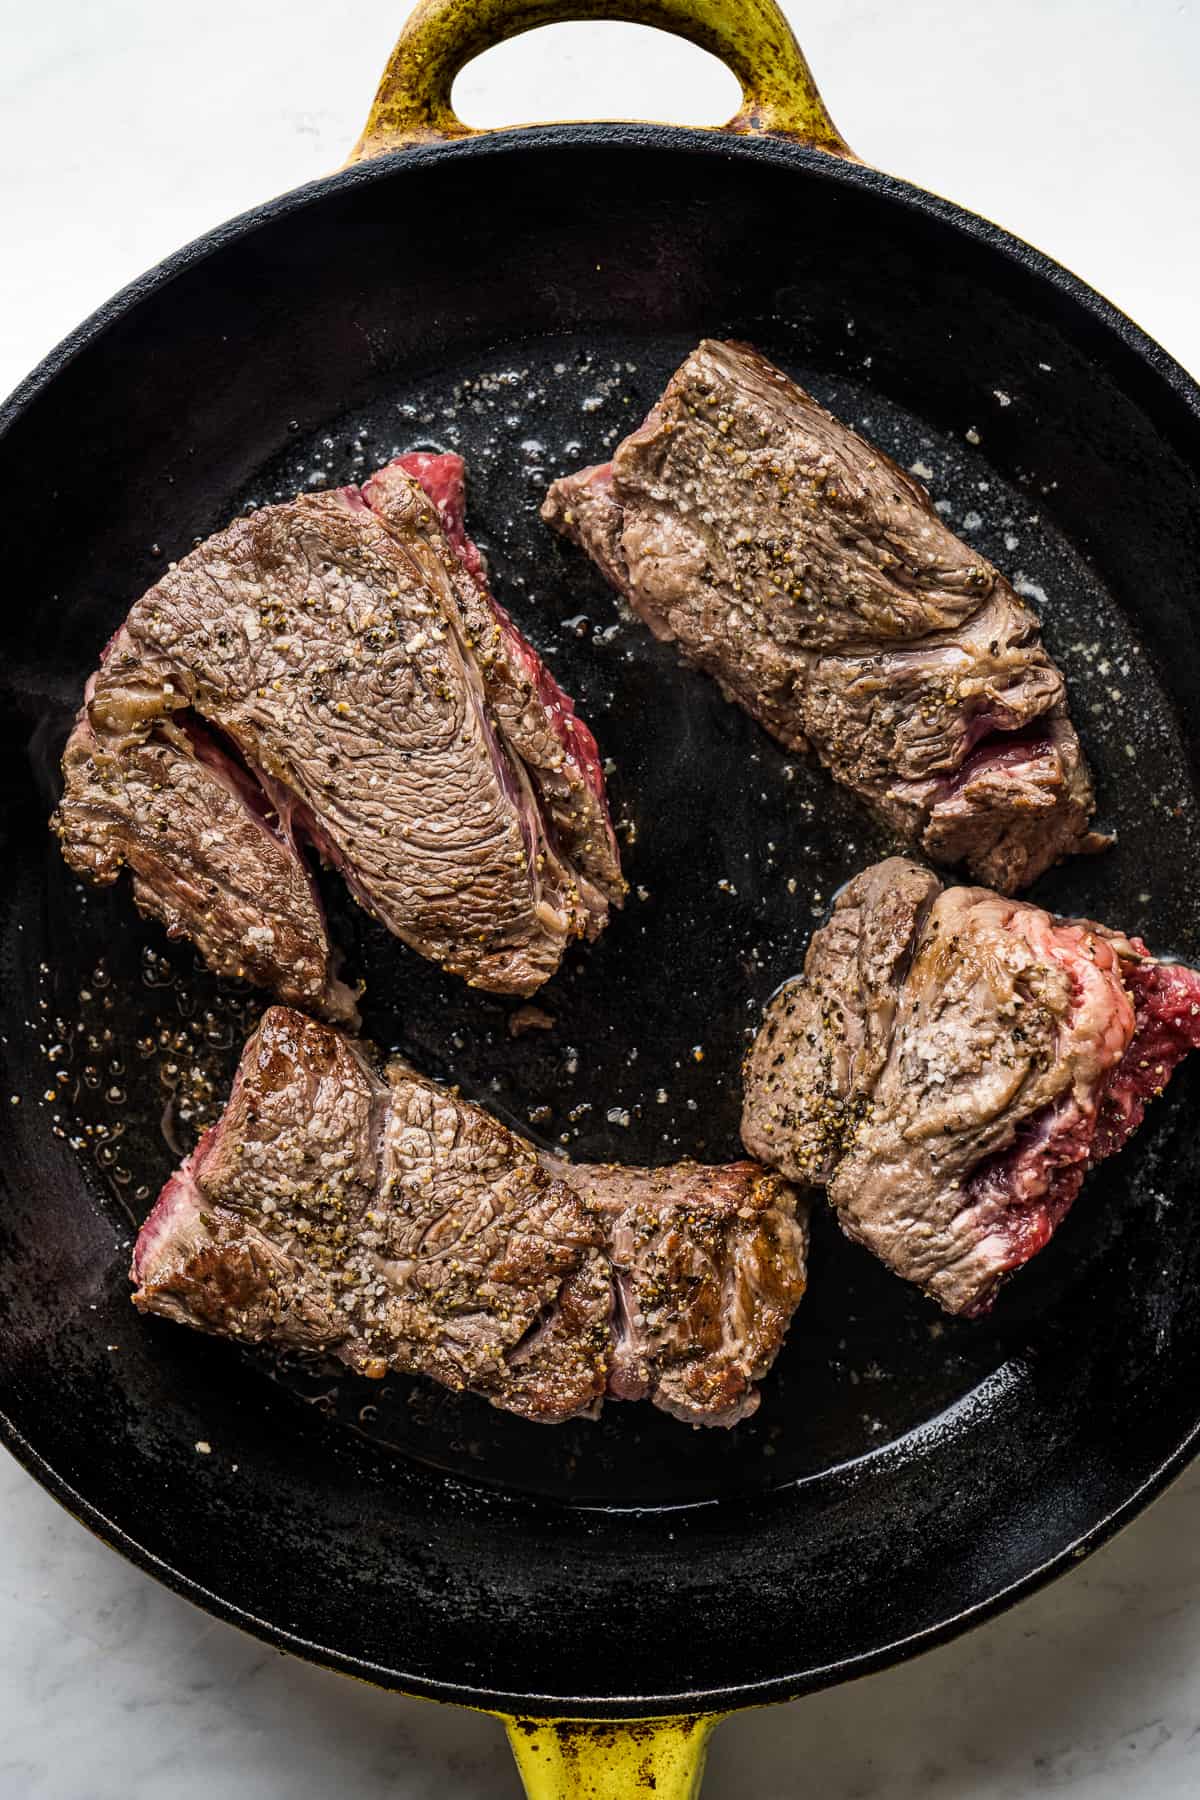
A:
128	127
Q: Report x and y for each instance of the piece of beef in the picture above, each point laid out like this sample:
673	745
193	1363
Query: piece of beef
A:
385	1222
828	1033
388	1223
812	577
537	721
324	654
205	856
709	1264
951	1063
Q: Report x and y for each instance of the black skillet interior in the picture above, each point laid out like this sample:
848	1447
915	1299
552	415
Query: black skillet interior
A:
523	302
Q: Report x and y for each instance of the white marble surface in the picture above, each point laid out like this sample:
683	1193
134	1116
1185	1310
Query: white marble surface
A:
127	128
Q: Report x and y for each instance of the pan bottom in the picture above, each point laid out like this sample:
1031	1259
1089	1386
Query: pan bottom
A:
733	850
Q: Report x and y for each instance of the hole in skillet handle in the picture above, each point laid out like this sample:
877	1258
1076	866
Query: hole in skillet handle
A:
608	69
752	38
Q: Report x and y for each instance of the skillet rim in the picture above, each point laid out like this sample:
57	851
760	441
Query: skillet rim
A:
839	170
692	1701
1176	388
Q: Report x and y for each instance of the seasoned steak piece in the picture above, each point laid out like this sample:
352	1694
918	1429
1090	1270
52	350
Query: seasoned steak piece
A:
813	579
828	1033
951	1063
709	1264
206	858
328	657
388	1223
383	1221
536	720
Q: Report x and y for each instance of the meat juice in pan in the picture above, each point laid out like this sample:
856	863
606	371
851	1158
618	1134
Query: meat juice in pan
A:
733	850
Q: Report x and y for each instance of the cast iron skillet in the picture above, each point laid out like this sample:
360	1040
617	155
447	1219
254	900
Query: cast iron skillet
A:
522	295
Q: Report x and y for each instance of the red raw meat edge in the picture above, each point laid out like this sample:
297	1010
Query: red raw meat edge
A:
995	749
1166	1004
182	1193
1035	1182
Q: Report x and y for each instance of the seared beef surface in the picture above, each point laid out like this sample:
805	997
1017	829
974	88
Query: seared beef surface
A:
206	858
536	720
951	1063
342	663
814	580
709	1264
383	1221
393	1225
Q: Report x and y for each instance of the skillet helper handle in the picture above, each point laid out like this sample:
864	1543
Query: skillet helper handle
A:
751	37
589	1759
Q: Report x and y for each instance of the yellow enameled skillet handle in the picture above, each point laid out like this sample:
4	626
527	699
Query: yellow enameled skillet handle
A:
751	37
577	1759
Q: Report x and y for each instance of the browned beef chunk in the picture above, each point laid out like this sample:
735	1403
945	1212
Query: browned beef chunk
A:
951	1063
536	720
388	1223
813	579
327	662
709	1264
